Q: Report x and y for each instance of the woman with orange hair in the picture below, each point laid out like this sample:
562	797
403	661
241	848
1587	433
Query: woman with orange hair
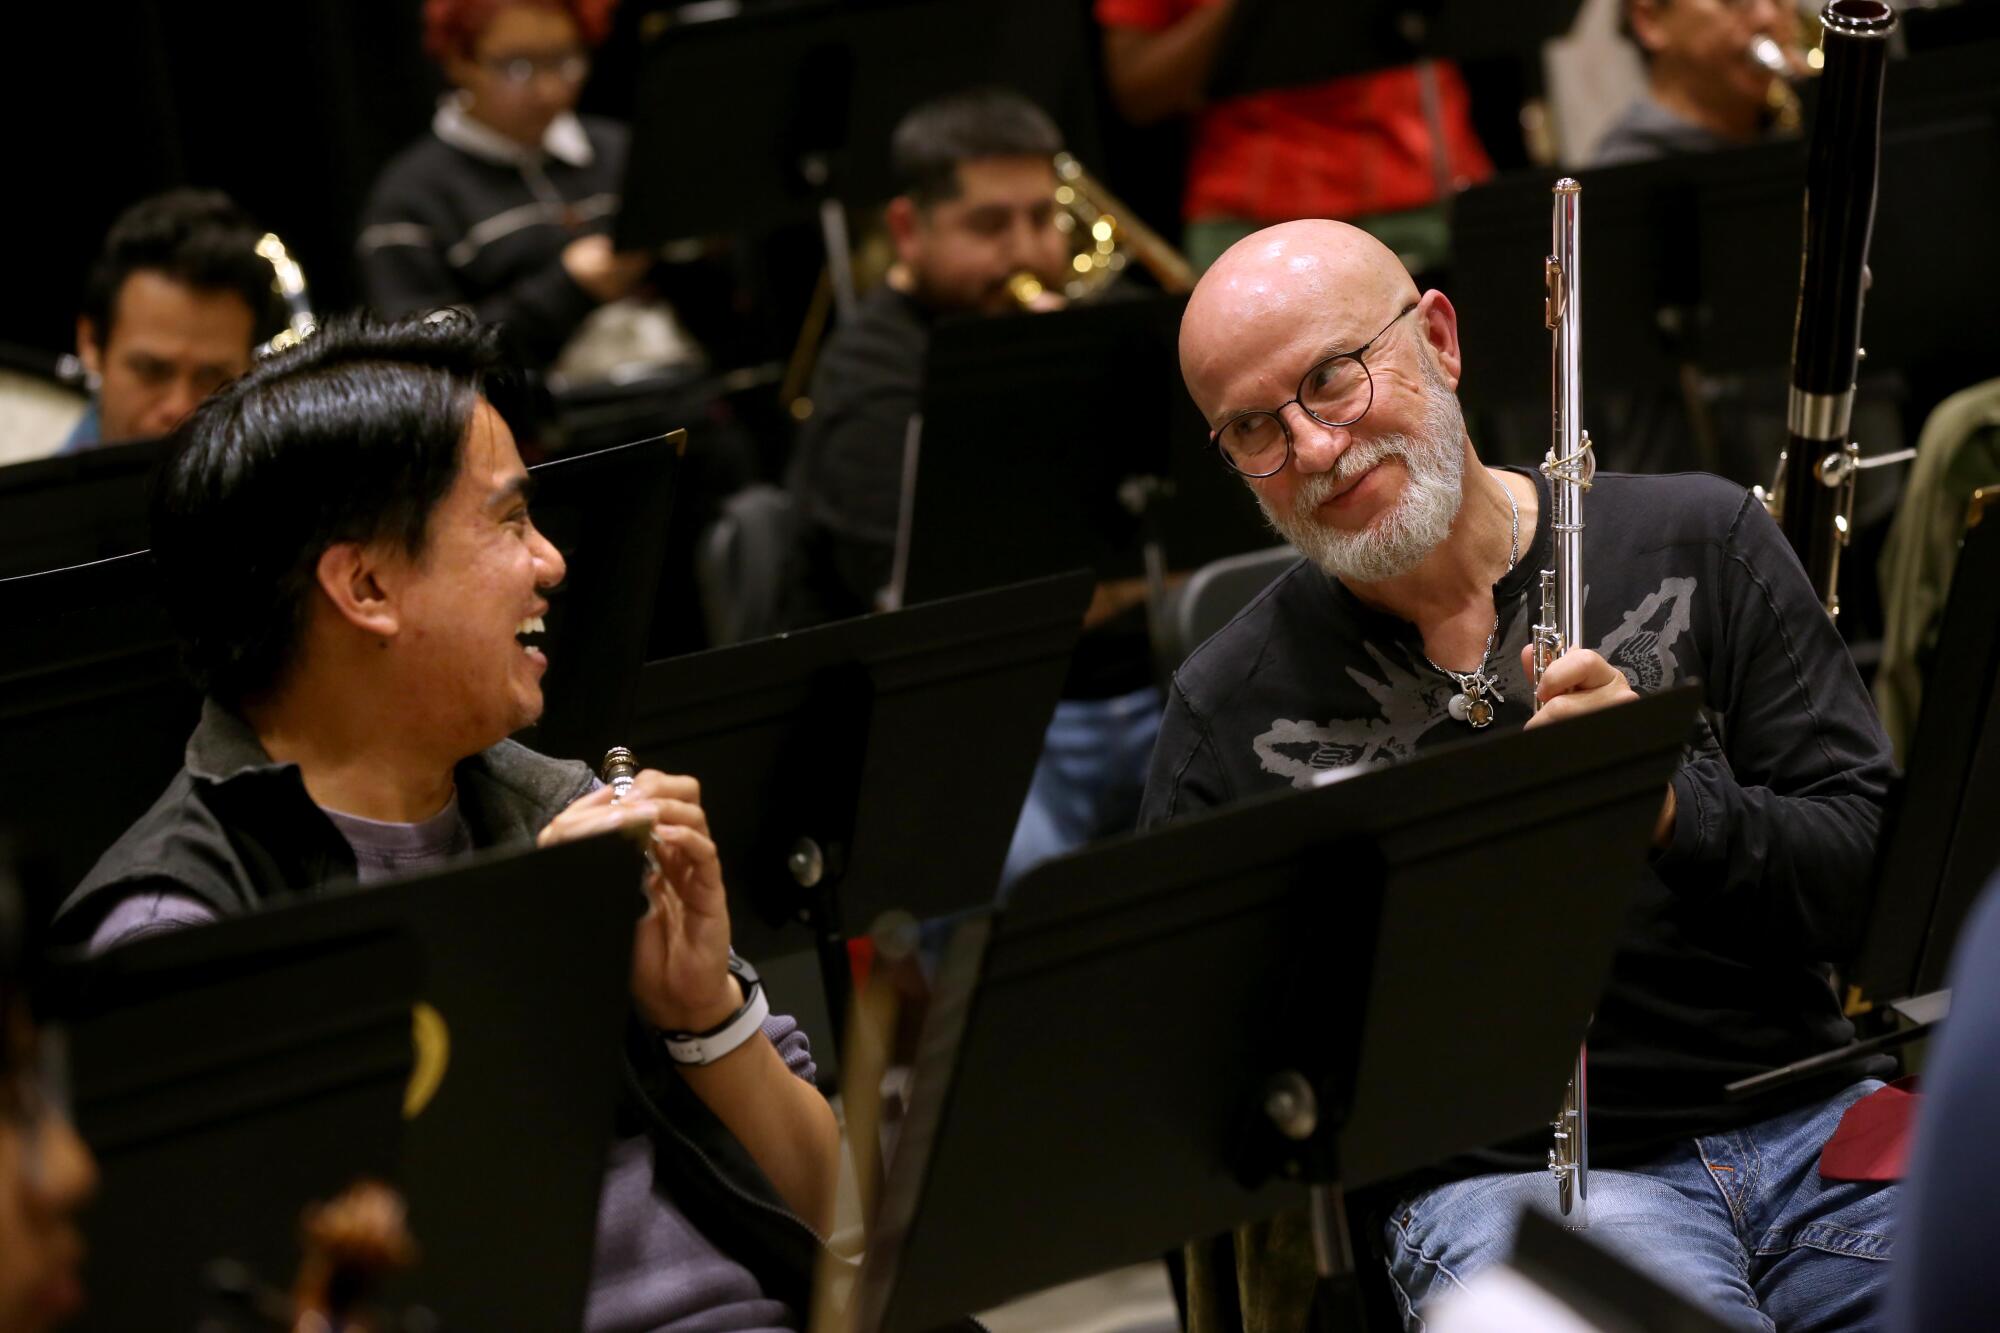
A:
505	206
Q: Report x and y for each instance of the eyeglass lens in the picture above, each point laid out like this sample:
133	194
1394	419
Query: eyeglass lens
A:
1337	392
523	69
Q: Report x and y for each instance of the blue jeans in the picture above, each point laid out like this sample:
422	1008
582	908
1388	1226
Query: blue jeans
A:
1739	1222
1089	779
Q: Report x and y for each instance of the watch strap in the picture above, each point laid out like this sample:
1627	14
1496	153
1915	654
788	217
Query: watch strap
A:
705	1048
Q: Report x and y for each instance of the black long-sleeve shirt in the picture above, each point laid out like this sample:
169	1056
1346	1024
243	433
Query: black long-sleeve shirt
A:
1723	969
462	218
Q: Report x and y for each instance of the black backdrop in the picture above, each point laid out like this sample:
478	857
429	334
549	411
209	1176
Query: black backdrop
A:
291	107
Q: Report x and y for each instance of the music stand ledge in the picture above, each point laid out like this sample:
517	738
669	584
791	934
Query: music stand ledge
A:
1109	1057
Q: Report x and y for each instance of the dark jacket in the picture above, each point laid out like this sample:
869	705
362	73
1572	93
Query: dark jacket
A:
237	830
448	225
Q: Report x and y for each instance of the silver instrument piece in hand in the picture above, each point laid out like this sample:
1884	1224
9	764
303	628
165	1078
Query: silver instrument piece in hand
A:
1569	467
618	770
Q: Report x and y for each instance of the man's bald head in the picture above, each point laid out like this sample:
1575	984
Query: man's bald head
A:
1277	284
1365	499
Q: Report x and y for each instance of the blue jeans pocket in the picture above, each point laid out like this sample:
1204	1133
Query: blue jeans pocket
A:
1830	1238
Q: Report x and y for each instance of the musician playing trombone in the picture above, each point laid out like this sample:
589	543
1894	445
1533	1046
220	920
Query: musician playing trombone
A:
976	212
1330	384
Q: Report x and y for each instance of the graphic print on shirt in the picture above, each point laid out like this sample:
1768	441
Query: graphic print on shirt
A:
1410	702
1643	644
1409	705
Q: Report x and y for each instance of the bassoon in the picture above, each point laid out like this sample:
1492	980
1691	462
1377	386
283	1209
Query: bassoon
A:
1813	499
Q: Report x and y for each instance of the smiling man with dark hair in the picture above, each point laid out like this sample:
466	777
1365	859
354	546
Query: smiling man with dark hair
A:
345	540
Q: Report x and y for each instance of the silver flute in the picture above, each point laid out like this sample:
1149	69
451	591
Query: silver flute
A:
1569	466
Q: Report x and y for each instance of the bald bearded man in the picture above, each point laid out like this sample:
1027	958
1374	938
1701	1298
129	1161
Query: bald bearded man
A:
1330	384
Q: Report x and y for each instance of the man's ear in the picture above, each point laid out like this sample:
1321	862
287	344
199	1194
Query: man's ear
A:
88	350
350	574
906	225
1643	18
1437	324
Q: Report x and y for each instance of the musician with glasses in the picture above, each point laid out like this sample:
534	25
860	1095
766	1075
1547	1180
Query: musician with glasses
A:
506	205
1330	384
1704	88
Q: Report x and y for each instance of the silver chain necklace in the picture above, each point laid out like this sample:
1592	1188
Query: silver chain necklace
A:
1478	691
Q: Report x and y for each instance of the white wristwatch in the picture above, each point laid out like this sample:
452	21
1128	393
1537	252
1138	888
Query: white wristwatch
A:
705	1048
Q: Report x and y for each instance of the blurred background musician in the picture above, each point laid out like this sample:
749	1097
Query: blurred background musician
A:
505	206
46	1173
172	311
1359	148
350	563
1704	90
1418	586
977	207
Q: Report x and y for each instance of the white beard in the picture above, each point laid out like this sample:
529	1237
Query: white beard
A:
1395	542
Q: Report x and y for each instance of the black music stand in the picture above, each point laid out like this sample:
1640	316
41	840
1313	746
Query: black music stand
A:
1940	841
227	1075
73	509
867	765
607	512
1056	440
1165	1035
832	78
94	715
92	699
1284	43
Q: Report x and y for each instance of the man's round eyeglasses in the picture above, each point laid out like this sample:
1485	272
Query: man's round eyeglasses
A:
1335	392
521	71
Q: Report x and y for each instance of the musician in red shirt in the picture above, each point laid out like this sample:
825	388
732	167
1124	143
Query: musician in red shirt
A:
1359	148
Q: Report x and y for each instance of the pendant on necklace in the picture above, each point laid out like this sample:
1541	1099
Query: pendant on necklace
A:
1470	705
1470	709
